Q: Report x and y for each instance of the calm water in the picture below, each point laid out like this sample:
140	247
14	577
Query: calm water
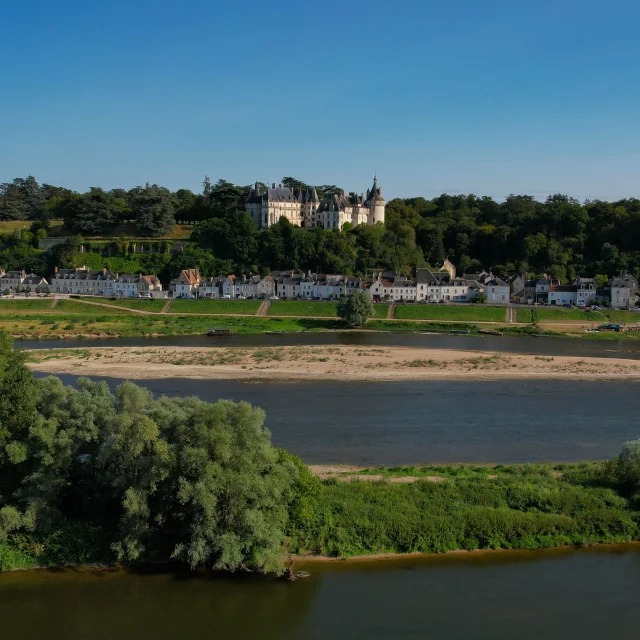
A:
554	595
393	423
507	344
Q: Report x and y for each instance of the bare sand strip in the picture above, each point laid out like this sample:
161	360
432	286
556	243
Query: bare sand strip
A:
324	363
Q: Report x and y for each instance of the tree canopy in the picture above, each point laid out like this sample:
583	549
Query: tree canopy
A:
356	308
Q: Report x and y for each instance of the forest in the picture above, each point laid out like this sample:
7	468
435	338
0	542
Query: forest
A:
91	476
560	236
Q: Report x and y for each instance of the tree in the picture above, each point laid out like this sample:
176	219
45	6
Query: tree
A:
93	212
628	464
153	209
356	308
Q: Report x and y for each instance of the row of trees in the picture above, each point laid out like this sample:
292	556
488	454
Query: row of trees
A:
560	236
128	477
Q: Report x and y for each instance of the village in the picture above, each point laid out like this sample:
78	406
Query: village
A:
441	285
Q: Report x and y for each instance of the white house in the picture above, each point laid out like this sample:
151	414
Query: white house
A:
624	291
12	280
497	291
186	284
83	281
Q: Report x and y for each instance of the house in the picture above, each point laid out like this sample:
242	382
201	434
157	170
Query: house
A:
624	291
11	280
266	287
496	290
82	280
585	291
290	287
516	287
149	284
229	287
211	287
537	290
186	284
563	294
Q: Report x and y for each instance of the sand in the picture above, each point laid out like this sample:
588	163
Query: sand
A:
323	363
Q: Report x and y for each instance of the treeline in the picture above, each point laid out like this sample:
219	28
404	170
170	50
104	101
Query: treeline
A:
561	236
91	476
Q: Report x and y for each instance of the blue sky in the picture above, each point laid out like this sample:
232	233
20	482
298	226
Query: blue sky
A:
487	97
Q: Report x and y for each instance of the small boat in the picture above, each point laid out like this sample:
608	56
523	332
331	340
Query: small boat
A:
219	332
490	332
460	331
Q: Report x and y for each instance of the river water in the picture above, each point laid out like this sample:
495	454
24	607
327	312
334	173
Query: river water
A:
396	423
548	346
550	595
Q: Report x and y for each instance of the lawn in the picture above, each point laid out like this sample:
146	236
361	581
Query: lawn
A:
72	306
630	317
304	308
380	310
470	313
25	305
524	315
244	307
143	304
9	226
549	314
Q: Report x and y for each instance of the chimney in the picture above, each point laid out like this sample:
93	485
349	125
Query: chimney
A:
273	185
280	186
104	271
55	269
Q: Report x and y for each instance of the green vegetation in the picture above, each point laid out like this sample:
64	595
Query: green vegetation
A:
380	310
524	315
628	317
317	309
203	305
154	306
16	304
90	476
548	314
356	308
72	306
517	507
430	327
470	313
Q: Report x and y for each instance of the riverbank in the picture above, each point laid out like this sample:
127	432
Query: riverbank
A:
323	363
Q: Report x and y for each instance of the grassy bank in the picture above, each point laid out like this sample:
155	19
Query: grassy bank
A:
470	313
468	508
244	307
425	509
154	306
303	308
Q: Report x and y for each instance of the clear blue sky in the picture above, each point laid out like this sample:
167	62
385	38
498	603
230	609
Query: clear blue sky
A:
475	96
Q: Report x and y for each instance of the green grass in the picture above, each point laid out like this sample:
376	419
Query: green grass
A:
303	308
73	306
505	507
143	304
380	310
524	315
25	305
630	317
471	312
244	307
549	314
437	327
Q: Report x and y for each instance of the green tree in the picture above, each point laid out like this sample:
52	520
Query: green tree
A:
153	209
356	308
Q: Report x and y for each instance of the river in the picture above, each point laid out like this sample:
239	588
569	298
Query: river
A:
546	346
552	595
396	423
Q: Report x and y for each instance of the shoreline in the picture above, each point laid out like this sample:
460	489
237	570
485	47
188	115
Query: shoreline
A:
318	363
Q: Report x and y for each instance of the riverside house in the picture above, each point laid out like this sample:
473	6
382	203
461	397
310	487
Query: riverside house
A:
20	280
624	291
82	280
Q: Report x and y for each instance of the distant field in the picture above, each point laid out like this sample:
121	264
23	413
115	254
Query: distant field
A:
25	305
548	314
143	305
380	310
9	226
470	313
303	308
630	317
245	307
72	306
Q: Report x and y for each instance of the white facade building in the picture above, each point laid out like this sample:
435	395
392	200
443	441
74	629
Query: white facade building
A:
304	209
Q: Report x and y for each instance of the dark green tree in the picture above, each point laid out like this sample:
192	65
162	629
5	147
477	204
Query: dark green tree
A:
356	308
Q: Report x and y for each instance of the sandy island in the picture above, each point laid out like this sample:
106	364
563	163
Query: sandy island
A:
323	363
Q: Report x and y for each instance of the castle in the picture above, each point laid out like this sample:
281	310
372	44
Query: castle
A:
305	209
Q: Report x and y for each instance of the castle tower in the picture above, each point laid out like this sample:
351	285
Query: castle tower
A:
375	203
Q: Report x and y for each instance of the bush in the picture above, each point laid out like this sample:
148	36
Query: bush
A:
356	308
